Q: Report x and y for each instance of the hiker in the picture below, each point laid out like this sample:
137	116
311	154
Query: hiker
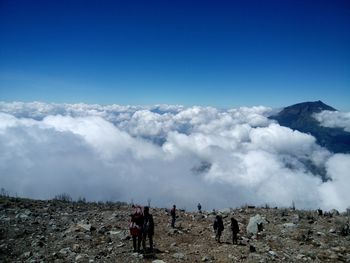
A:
148	228
135	227
173	216
235	230
199	208
218	227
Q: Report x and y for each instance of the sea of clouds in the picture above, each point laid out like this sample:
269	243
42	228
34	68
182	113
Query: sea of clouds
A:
168	154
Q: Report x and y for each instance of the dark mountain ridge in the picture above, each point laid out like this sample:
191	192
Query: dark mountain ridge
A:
300	117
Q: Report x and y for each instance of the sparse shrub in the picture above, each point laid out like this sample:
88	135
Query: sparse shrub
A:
4	193
109	203
81	200
64	197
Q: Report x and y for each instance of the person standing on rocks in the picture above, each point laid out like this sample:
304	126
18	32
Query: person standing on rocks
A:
235	230
199	208
148	228
218	227
173	216
135	227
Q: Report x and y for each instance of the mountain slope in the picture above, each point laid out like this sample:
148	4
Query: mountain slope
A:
300	117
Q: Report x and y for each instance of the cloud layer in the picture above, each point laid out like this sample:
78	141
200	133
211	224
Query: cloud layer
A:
169	154
334	119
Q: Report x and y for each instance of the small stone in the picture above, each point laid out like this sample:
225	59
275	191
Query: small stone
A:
27	254
290	226
272	253
320	234
332	231
76	248
121	235
64	251
86	227
179	255
82	258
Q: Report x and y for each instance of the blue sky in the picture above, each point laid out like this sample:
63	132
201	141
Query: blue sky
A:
218	53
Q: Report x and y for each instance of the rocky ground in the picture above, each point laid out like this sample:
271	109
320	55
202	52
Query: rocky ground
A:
56	231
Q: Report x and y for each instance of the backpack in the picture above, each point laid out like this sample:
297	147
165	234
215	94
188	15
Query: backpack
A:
135	230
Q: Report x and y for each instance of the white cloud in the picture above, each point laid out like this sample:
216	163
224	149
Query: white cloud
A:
170	154
334	119
335	194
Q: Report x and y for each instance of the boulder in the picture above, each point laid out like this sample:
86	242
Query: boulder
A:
255	224
295	219
334	212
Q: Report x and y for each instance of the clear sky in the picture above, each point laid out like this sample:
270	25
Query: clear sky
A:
218	53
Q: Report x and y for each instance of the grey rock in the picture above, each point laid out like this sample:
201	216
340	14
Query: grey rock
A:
252	227
64	252
332	230
289	226
86	227
272	253
27	254
82	258
121	234
295	219
334	212
76	248
179	255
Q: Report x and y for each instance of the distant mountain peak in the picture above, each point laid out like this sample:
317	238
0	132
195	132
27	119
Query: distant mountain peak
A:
300	117
306	108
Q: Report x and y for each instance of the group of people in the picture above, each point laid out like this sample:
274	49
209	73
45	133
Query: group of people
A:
219	228
142	227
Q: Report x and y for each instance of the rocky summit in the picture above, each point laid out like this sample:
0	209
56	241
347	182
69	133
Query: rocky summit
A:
57	231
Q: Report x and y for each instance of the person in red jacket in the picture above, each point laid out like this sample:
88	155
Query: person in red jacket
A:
135	227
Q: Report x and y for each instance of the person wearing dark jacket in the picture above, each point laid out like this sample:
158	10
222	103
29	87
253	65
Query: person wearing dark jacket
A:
235	230
199	208
218	227
173	216
148	228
